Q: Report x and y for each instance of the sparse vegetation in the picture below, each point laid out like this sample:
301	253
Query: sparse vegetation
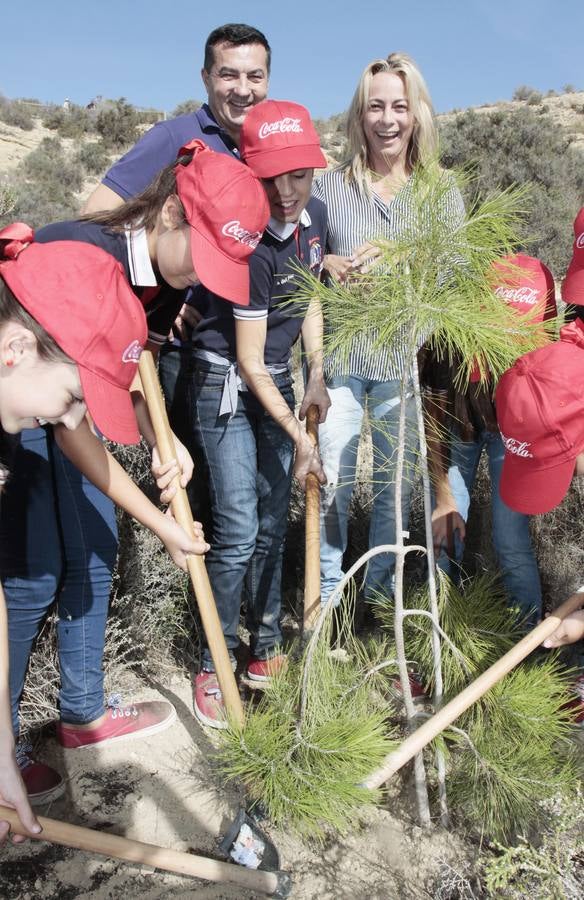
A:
117	124
15	112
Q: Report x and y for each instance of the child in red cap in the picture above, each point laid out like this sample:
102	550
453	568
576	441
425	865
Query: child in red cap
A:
244	402
177	232
69	344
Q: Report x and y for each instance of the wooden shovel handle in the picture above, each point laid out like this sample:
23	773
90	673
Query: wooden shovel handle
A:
181	511
312	532
446	716
146	854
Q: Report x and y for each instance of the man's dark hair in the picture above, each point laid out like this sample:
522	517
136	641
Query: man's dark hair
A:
235	34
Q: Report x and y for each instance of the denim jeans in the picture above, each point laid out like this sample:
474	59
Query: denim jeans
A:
339	442
58	542
176	369
511	538
249	462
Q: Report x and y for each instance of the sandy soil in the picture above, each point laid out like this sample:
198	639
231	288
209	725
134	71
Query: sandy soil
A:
166	790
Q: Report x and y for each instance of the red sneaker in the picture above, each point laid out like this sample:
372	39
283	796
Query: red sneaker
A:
577	704
209	706
265	669
416	687
121	722
43	784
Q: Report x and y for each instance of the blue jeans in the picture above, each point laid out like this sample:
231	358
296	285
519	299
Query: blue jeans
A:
511	538
339	442
249	461
58	542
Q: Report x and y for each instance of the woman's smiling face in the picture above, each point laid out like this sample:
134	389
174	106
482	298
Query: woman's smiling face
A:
388	122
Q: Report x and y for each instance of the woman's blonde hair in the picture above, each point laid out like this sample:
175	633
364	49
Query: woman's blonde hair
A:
424	141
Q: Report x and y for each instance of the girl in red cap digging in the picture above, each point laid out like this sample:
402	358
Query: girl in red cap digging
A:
243	396
200	220
68	345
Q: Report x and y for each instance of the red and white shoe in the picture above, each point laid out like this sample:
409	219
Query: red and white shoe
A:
419	695
209	706
139	720
265	669
43	783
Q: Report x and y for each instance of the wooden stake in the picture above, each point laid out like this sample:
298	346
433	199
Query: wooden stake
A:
446	716
312	533
147	854
181	511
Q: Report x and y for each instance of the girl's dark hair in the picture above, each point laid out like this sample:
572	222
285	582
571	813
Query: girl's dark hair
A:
13	311
142	210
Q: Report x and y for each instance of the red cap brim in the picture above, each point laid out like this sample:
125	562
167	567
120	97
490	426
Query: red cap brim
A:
533	490
218	272
270	163
573	286
110	407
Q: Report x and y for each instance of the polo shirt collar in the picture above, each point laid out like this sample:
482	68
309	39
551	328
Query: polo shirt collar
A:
206	118
141	272
283	230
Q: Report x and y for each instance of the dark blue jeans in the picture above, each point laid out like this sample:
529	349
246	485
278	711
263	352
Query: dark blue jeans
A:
58	542
249	461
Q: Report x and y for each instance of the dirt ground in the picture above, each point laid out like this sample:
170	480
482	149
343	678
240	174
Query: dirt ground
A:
166	790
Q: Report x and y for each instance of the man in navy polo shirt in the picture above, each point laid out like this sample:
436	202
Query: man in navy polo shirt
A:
235	74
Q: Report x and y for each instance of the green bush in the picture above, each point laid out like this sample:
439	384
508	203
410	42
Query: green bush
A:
14	112
187	106
117	124
519	147
69	123
94	157
45	186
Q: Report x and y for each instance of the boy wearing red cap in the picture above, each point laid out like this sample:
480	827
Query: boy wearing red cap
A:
244	400
540	410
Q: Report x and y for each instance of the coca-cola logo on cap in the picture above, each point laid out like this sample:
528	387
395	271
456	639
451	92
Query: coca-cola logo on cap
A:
235	230
528	295
517	448
282	126
580	241
132	353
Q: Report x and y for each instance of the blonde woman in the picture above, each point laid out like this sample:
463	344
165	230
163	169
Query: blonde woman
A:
390	130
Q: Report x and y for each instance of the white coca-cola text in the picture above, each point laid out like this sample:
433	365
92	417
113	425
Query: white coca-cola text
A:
518	448
235	230
280	127
528	295
132	353
580	241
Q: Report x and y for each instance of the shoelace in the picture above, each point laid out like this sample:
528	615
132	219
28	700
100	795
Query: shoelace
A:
114	702
22	752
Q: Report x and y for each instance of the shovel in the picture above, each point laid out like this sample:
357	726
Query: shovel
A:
181	511
312	534
275	884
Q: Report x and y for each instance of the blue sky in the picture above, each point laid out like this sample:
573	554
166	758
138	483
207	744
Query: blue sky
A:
470	51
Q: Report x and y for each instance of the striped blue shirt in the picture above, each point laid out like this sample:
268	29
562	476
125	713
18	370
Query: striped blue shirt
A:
354	218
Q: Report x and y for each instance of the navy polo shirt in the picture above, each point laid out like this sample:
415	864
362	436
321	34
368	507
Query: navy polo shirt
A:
272	285
161	311
159	147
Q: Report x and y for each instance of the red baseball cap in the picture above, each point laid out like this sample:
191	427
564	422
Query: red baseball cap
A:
279	137
80	296
573	286
540	410
227	209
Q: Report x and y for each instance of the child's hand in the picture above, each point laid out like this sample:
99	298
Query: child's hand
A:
13	793
179	544
568	631
164	473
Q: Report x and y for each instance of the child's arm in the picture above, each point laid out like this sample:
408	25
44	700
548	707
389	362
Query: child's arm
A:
250	336
316	393
12	789
89	455
568	631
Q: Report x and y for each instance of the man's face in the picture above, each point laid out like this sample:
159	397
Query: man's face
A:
237	81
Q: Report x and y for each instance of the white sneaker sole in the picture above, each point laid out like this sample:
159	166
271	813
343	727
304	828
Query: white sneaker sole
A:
47	796
210	723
